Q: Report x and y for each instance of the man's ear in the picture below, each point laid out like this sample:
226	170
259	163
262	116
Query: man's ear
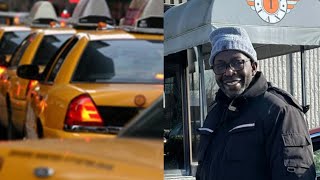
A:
254	66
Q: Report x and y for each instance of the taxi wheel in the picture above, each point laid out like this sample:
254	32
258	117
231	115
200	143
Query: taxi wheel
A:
39	129
3	132
10	133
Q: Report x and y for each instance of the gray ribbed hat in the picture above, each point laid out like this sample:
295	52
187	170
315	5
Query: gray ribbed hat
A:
231	38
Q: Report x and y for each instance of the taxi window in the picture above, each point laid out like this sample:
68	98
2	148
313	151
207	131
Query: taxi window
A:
17	55
121	61
48	47
57	64
11	40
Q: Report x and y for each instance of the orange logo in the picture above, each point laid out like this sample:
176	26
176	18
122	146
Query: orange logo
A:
272	11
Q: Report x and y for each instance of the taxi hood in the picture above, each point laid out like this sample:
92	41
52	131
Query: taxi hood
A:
119	157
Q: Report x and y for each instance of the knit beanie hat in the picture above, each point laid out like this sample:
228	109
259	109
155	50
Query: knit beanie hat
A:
231	38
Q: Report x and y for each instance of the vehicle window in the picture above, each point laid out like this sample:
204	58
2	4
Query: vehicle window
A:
149	124
17	55
11	40
48	47
60	60
316	154
121	61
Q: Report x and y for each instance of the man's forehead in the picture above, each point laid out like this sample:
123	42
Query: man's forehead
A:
227	56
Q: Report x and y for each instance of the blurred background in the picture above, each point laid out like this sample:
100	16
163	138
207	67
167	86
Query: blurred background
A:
64	8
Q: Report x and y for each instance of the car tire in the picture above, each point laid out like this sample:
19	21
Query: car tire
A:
31	124
10	129
3	132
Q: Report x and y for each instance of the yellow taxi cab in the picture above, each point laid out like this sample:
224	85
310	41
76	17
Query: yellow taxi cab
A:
37	48
136	154
10	38
96	84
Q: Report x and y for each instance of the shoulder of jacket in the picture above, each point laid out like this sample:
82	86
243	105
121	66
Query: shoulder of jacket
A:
285	97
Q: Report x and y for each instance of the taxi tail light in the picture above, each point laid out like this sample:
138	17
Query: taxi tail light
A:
82	111
2	69
31	85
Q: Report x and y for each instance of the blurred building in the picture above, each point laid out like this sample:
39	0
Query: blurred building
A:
18	5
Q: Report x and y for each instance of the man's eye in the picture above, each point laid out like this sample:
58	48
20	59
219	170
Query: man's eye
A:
236	63
220	66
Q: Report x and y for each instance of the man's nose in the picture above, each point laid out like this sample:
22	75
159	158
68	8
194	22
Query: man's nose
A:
229	71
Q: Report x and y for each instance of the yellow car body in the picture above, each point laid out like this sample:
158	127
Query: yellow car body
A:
78	159
136	154
35	49
116	102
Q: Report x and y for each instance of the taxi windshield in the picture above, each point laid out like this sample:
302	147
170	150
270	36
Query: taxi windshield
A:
121	61
11	40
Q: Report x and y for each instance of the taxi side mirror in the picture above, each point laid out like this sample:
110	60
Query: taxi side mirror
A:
28	72
3	61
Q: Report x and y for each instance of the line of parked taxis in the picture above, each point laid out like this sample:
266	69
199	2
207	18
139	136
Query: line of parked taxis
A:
79	88
59	83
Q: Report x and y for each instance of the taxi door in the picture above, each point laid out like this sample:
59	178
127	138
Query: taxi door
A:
17	87
39	97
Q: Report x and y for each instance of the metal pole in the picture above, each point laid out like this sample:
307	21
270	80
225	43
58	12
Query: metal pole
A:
291	79
303	75
185	117
202	92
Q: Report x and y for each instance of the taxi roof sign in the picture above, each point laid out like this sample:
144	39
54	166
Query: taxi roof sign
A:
90	13
42	13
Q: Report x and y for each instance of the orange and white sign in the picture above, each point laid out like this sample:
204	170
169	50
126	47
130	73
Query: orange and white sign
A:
272	11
